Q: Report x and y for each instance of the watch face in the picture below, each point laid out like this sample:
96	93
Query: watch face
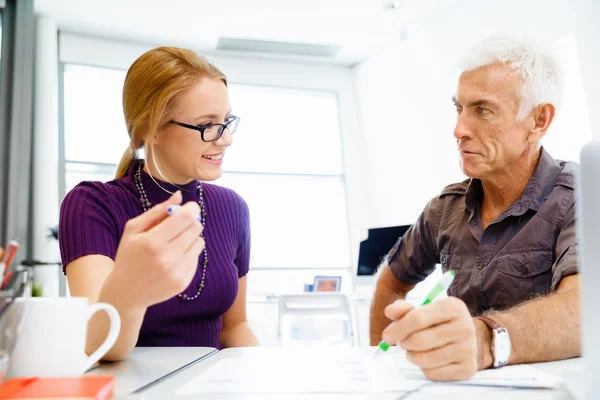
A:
502	347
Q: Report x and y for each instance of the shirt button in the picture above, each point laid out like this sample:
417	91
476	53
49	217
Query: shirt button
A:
524	269
479	266
443	259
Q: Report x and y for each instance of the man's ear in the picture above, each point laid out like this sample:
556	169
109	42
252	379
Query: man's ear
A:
543	115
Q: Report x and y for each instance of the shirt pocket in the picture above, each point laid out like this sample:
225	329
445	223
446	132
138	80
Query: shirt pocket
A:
451	261
525	273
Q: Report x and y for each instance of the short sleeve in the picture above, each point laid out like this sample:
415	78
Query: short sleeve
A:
415	254
242	259
567	249
86	224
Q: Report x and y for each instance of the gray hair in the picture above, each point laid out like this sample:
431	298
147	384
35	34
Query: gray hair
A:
540	69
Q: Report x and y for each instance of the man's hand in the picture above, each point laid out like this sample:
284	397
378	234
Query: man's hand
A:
440	338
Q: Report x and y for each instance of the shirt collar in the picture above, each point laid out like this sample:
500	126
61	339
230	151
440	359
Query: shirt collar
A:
536	191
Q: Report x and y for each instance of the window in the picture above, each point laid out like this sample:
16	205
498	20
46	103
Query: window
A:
286	162
94	124
94	134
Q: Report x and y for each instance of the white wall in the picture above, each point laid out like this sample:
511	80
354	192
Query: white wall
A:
405	98
587	13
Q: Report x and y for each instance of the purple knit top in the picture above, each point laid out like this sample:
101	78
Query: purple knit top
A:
92	219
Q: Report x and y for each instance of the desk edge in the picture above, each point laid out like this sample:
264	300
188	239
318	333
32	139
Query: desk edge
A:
175	372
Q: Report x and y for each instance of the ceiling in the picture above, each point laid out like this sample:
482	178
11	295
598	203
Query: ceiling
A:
358	27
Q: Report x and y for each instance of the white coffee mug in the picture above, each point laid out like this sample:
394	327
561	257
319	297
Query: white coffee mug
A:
53	336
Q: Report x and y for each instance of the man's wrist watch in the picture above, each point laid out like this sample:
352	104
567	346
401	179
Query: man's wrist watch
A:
500	345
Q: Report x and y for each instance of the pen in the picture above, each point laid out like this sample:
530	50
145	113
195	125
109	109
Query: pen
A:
442	286
172	209
9	254
7	279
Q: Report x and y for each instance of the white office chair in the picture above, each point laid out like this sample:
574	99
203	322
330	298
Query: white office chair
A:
316	318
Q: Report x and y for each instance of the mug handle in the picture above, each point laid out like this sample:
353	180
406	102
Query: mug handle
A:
111	338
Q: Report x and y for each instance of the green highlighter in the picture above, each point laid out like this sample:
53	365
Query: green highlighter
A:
442	286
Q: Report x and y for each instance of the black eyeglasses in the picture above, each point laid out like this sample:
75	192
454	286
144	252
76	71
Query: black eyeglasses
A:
211	132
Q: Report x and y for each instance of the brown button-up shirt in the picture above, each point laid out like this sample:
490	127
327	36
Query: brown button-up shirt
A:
525	252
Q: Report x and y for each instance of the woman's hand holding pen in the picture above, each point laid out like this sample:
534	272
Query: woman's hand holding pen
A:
158	254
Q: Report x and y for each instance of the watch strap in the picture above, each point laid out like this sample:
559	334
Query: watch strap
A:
490	322
496	328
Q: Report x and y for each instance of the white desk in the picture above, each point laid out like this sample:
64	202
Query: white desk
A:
571	371
167	388
148	365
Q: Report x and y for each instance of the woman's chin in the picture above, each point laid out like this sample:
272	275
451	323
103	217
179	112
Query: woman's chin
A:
210	175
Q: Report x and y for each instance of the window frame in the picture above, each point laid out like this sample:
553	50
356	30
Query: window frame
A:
293	75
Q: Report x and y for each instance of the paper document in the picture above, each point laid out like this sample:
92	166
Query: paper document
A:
351	373
522	376
514	376
301	374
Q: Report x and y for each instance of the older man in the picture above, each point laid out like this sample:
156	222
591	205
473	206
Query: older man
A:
508	232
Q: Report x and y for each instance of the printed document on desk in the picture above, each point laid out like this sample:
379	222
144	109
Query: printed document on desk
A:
521	376
351	372
517	376
312	370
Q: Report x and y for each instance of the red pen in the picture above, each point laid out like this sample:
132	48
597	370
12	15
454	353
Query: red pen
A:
9	254
6	280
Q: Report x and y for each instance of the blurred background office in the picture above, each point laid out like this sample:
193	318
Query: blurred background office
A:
345	109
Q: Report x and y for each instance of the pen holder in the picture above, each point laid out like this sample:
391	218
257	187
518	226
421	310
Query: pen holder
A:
45	277
11	317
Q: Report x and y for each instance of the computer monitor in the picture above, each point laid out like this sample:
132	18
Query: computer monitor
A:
374	249
589	233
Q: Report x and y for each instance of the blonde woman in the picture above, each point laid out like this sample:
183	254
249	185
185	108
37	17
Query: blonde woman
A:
179	279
